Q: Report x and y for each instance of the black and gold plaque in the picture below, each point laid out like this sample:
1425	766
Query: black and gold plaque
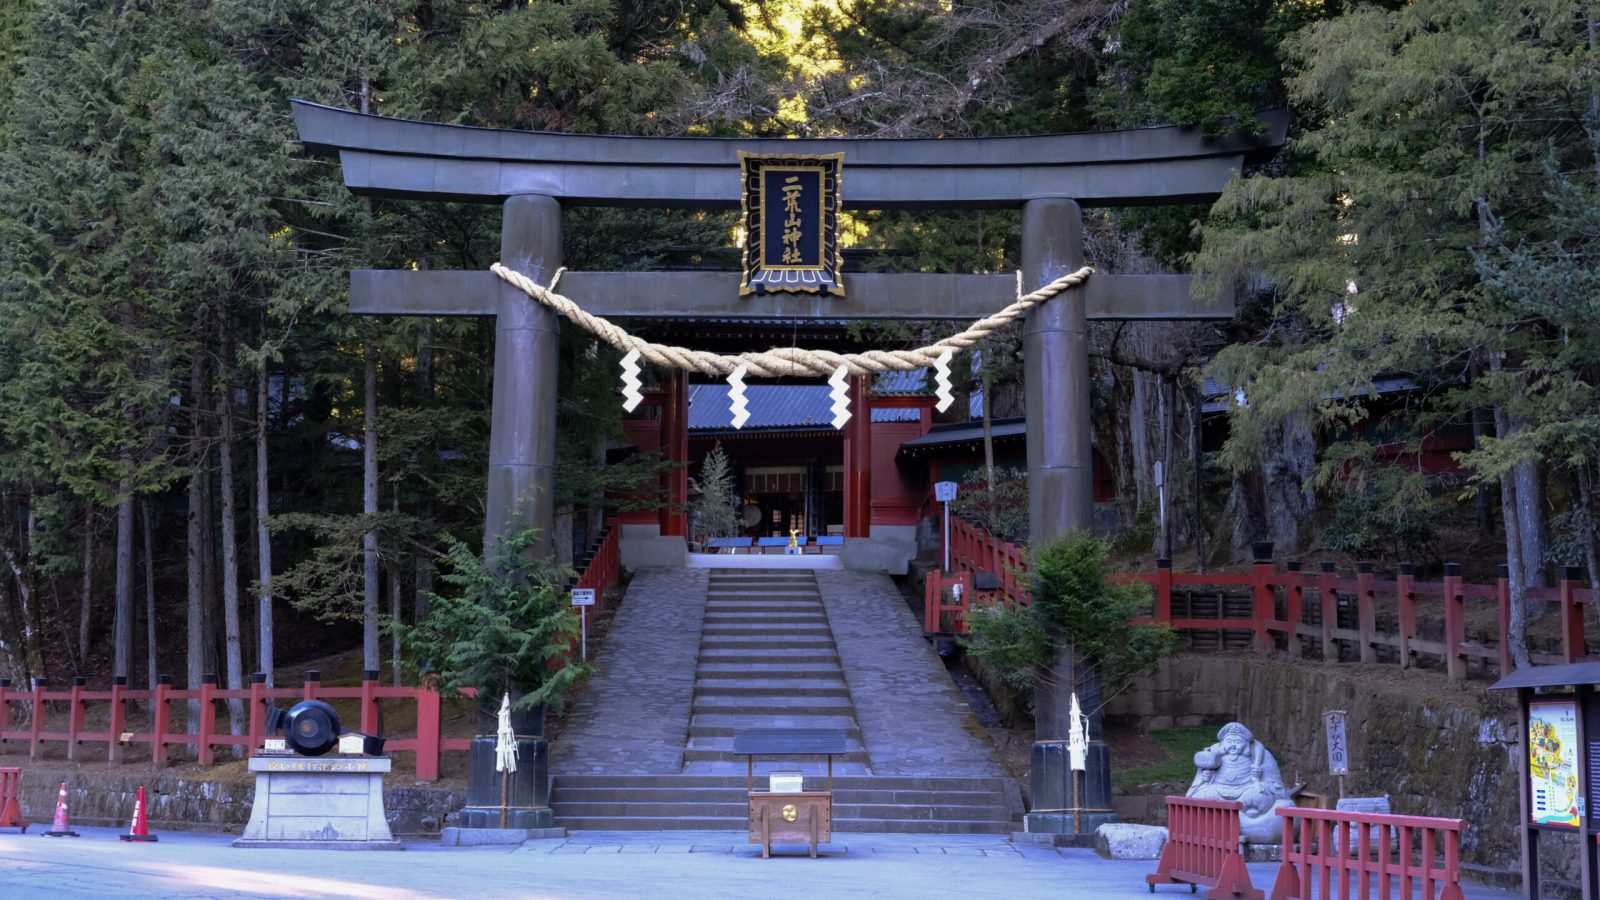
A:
791	221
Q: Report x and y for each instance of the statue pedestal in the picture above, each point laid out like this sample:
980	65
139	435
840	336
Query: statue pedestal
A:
1055	810
317	803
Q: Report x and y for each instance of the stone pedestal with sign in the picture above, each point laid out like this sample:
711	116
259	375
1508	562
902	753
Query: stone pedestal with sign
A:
319	804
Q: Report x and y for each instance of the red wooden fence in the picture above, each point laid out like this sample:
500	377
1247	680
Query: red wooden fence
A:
1327	853
1203	849
599	571
977	555
42	726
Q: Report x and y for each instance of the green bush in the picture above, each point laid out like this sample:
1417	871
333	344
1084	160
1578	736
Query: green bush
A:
1074	604
501	627
1388	516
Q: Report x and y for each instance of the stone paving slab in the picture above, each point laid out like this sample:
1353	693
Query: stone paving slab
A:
716	865
914	720
633	716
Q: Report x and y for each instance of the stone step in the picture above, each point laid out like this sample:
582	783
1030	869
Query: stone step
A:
768	668
699	755
739	638
795	687
753	598
803	655
710	724
760	593
734	805
766	617
766	630
736	705
915	783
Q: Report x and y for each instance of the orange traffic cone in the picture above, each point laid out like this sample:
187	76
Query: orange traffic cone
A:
60	828
140	829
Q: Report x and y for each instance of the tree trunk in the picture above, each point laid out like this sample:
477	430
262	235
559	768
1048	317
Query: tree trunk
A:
394	605
1530	518
264	636
86	595
194	561
32	614
122	620
149	595
988	439
230	557
423	577
1516	571
1586	498
369	508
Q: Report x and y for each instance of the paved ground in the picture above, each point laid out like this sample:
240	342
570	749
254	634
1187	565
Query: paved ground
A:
658	865
633	716
914	720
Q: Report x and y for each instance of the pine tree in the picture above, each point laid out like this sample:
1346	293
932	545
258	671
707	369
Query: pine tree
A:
714	508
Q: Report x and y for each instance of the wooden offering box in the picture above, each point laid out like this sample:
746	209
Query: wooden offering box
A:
789	817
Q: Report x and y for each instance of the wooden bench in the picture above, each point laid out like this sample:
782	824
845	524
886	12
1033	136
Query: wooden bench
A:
789	817
1203	849
779	543
830	543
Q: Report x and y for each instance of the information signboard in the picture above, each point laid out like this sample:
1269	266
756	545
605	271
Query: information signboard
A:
583	596
1553	761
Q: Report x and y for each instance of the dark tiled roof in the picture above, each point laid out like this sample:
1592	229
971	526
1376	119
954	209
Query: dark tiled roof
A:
958	433
786	406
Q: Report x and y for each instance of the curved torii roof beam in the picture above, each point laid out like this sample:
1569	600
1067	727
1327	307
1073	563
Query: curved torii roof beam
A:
390	157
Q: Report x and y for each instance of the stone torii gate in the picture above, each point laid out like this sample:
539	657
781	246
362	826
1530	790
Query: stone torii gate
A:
533	175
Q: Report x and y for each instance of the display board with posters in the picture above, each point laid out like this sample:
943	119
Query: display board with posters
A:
1553	760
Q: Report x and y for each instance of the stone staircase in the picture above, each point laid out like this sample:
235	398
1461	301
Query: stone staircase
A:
767	657
767	660
861	803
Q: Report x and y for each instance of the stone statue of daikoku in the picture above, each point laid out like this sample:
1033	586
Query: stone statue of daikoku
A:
1237	767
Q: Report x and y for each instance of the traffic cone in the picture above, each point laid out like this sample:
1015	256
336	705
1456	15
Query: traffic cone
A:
140	829
60	828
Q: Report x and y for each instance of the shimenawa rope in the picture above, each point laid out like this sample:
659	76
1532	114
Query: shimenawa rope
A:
787	361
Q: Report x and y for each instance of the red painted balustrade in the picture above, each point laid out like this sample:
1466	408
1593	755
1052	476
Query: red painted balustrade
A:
1203	849
1331	854
1290	609
44	723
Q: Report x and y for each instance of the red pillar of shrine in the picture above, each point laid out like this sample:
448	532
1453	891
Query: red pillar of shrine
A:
675	449
858	460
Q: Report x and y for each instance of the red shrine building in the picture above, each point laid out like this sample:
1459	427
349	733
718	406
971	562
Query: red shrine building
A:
794	472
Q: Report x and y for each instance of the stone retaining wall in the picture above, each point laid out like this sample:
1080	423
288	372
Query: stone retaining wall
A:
177	804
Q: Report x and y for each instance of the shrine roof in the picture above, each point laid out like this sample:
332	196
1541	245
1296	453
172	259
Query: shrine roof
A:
797	407
1587	673
955	435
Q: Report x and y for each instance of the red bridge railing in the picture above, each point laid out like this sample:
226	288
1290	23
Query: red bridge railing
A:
1328	853
1296	609
44	724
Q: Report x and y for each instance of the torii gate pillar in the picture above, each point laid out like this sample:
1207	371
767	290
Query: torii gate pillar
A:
1055	351
522	430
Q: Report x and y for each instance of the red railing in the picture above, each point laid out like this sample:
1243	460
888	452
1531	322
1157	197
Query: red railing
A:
995	569
601	568
1203	849
428	744
598	570
1327	854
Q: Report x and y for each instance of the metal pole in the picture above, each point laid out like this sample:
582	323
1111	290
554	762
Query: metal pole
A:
947	535
583	622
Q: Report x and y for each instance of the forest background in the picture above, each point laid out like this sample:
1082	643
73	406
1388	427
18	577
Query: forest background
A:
194	436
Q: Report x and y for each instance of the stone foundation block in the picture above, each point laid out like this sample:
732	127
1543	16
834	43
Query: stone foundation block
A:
1120	840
